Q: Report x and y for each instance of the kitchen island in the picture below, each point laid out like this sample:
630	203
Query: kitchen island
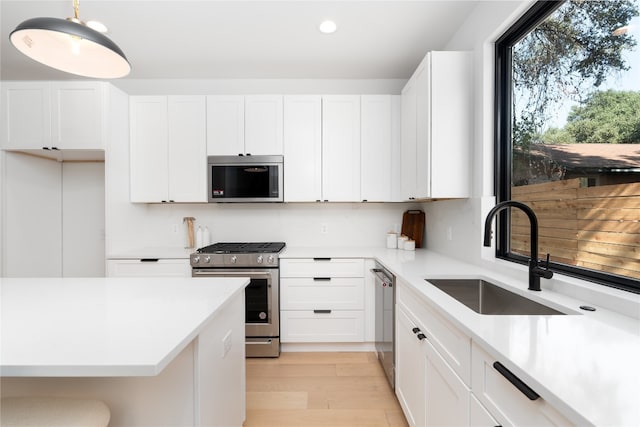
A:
157	351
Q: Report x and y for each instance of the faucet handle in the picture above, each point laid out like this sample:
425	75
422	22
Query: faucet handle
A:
546	273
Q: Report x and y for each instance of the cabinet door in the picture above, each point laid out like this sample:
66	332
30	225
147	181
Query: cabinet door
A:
408	160
149	147
77	115
423	128
225	125
341	148
303	148
451	123
148	268
322	325
187	149
375	151
263	124
447	397
26	115
410	370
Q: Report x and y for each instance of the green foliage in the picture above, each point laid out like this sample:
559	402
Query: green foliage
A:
568	56
558	136
607	117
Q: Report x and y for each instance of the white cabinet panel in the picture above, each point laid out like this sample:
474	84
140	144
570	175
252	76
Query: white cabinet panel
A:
479	416
26	115
168	149
322	325
263	124
303	148
64	115
437	124
149	146
410	371
187	159
78	115
148	268
322	267
225	125
376	153
306	293
341	148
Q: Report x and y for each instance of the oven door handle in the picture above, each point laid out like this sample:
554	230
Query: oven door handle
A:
232	274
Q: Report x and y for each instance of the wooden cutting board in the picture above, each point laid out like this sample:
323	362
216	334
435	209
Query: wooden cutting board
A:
413	225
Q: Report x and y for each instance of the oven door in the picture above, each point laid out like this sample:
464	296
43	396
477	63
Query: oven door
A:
262	312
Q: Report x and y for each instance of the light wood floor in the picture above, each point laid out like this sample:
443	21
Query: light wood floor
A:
320	389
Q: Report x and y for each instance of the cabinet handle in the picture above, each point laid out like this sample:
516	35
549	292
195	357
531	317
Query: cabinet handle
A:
322	259
149	259
45	148
415	330
321	279
322	311
517	382
172	201
421	336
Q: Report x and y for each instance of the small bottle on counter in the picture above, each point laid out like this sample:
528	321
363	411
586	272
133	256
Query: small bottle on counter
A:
392	241
199	237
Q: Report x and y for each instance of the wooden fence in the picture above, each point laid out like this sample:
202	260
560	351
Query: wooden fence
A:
591	227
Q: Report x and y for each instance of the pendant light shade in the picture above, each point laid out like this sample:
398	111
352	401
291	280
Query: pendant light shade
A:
69	45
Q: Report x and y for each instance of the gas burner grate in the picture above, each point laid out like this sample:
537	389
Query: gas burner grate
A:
242	247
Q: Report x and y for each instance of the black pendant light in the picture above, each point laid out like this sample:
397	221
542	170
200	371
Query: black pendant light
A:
70	45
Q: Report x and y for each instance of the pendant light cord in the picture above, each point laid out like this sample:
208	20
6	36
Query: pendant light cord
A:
76	7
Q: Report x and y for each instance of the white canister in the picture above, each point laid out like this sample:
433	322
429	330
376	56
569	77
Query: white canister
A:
401	240
392	242
410	245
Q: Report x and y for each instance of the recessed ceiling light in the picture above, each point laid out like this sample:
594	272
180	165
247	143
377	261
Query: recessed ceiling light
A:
328	27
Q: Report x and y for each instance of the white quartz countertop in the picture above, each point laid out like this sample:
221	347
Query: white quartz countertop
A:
585	363
60	327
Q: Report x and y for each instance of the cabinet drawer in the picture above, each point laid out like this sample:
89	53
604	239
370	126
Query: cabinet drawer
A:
322	267
505	402
453	345
322	292
331	326
152	268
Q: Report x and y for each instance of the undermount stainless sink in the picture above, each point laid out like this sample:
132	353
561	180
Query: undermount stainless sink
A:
486	298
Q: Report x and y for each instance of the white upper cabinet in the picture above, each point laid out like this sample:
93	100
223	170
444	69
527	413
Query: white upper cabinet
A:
341	148
168	149
303	148
54	115
263	124
225	125
437	123
379	117
251	124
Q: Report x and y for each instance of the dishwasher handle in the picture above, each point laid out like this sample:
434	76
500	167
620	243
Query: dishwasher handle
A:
383	277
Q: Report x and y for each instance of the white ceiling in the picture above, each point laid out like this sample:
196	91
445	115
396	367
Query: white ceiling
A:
211	39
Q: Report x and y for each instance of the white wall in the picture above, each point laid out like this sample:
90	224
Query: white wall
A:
132	226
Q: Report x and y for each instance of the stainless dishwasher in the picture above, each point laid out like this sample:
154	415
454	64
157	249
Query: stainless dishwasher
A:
385	298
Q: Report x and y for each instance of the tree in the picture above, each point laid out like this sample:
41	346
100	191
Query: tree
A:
568	56
606	117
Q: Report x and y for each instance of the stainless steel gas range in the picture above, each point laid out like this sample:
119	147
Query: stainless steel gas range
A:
260	262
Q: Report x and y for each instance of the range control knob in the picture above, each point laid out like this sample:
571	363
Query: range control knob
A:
234	259
271	259
196	259
259	260
207	259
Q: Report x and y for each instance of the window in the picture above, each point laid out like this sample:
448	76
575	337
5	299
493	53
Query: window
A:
568	138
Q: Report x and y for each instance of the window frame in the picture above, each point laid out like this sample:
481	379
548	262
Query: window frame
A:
503	148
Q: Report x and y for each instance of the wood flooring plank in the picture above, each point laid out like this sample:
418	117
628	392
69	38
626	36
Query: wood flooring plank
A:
317	417
277	400
284	371
359	370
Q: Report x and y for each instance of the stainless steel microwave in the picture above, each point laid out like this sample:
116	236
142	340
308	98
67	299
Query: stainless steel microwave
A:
245	178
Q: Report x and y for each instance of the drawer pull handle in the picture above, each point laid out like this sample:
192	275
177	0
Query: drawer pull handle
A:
415	330
149	260
322	259
517	382
421	336
322	311
321	279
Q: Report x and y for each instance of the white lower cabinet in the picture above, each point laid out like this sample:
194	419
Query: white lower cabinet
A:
479	416
429	390
504	401
148	267
322	300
